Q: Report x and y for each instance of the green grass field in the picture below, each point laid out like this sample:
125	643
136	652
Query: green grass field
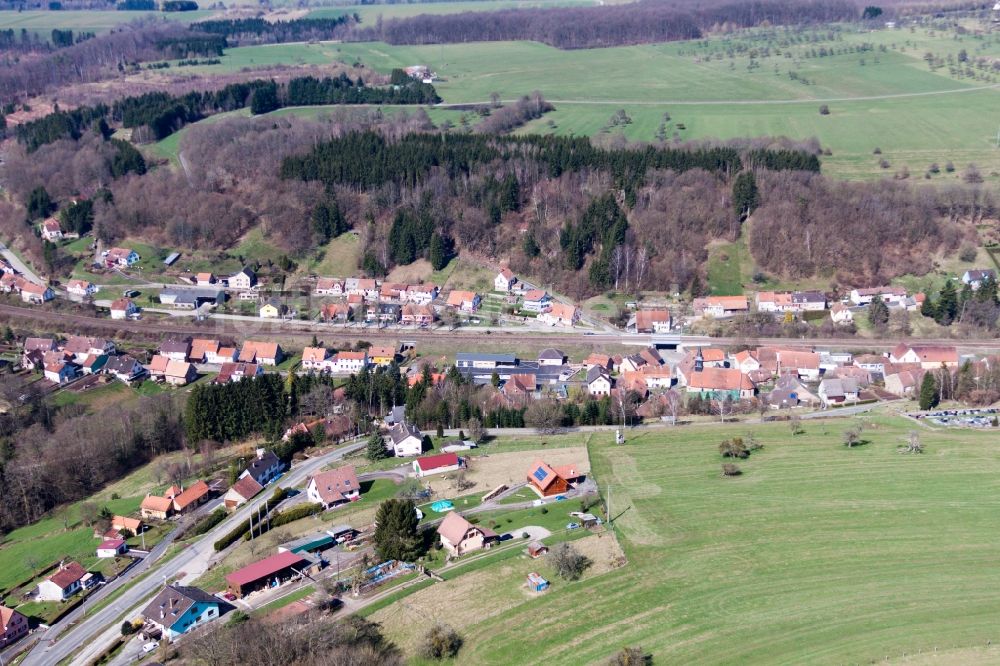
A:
43	22
892	101
816	554
370	13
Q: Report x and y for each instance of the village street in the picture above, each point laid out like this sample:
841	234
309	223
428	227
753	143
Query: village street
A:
188	565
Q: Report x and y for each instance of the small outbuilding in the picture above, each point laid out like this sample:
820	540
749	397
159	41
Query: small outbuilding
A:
536	583
439	464
537	549
112	548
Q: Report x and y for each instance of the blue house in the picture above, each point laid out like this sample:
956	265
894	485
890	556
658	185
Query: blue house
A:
177	609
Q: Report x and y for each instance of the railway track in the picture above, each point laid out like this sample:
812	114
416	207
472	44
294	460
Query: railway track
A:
303	333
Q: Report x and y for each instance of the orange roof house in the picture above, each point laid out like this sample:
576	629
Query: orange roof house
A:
546	481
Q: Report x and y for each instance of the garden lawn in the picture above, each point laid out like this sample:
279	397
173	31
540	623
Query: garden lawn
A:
816	554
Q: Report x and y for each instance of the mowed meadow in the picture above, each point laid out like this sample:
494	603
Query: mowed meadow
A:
816	554
888	99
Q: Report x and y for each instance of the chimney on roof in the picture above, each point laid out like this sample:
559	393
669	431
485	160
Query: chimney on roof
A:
260	454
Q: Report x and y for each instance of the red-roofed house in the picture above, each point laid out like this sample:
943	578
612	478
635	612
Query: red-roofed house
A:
439	464
124	308
241	492
560	314
13	626
81	288
314	358
536	300
156	507
195	495
504	281
63	584
466	301
545	481
121	256
51	231
133	525
334	487
327	286
179	373
720	383
265	353
652	321
520	387
34	293
721	306
346	362
112	548
929	357
804	363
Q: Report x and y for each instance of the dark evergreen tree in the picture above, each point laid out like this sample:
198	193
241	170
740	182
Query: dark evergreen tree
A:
265	99
328	221
928	392
530	245
440	251
878	313
928	308
375	449
39	203
78	216
947	305
396	535
746	198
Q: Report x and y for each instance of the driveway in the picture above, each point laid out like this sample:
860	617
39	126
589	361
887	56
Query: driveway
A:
534	532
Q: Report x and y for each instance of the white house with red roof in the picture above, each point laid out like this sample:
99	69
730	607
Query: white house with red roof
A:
121	256
536	300
112	548
13	626
63	584
504	281
929	357
51	231
33	293
81	288
348	363
124	308
560	314
438	464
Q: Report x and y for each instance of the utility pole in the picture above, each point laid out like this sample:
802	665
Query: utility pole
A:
610	517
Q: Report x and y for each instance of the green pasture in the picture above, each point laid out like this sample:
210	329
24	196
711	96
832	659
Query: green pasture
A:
43	22
370	13
816	554
690	90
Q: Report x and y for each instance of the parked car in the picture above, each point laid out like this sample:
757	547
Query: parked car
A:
573	526
130	293
150	647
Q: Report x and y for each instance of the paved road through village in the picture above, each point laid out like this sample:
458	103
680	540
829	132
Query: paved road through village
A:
95	633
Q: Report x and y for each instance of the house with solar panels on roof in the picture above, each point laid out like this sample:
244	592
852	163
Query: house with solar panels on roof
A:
549	481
